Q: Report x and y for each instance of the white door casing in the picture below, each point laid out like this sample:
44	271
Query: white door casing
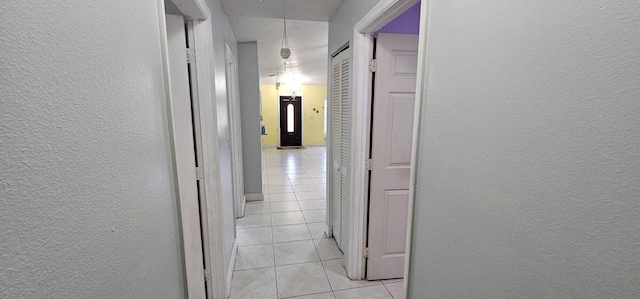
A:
236	139
185	155
339	142
226	166
205	122
392	134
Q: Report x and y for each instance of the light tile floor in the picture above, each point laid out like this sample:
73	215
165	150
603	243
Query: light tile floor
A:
283	251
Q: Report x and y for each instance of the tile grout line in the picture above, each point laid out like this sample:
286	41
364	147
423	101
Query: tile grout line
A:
385	286
321	263
292	264
363	287
273	247
307	295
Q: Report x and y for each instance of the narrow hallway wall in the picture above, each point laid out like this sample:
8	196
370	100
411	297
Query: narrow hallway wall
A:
529	160
86	179
249	79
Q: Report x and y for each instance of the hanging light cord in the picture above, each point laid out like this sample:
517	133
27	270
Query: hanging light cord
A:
285	42
285	52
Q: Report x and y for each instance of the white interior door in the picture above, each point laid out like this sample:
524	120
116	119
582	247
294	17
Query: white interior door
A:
339	142
392	132
183	135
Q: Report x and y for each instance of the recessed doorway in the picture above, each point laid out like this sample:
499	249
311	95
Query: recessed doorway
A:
290	121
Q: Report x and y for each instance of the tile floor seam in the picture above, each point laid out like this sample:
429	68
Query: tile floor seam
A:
298	263
256	268
273	247
306	295
322	264
364	286
280	242
385	286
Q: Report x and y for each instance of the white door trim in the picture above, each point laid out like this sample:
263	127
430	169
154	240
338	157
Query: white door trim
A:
376	18
184	159
236	139
193	9
232	266
421	87
203	46
201	28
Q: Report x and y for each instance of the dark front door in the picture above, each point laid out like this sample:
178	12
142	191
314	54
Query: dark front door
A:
290	121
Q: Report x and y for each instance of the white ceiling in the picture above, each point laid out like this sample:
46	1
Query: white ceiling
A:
307	33
309	10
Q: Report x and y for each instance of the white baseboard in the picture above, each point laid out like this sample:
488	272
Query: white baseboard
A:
254	196
232	265
240	213
244	204
328	230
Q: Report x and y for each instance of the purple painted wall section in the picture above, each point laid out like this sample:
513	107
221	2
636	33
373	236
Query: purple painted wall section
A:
408	22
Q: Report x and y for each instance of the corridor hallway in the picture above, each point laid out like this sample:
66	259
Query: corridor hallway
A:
282	249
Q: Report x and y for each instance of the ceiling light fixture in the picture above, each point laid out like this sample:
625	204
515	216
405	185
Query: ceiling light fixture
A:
285	52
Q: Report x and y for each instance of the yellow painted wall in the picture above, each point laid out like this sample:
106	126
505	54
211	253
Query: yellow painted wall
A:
313	125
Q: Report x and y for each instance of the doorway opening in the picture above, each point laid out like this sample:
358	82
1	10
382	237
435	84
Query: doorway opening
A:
186	34
393	103
184	105
382	140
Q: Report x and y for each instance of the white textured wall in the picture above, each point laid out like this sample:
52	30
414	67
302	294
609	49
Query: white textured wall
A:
249	79
344	19
88	205
528	179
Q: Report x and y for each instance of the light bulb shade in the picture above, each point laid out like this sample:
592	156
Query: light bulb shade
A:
285	53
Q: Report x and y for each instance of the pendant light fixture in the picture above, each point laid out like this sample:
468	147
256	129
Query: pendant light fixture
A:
285	51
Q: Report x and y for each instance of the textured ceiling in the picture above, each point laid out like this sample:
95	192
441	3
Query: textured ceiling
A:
307	41
310	10
307	32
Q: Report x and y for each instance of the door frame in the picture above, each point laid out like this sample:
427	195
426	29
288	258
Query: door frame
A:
236	140
197	13
375	19
193	234
301	117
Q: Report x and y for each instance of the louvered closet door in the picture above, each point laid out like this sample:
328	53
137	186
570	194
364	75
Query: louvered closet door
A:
339	139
